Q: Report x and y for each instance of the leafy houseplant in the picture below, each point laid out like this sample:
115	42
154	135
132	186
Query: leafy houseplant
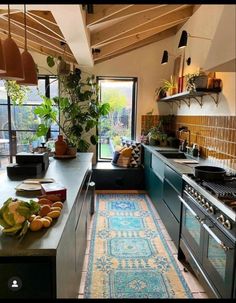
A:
79	107
16	92
196	81
168	86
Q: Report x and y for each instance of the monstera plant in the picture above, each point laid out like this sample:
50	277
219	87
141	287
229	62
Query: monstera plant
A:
79	107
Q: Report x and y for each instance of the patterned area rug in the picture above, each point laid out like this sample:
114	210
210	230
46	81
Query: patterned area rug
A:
129	257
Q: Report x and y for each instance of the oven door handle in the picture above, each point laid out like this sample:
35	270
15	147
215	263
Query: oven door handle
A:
207	228
189	208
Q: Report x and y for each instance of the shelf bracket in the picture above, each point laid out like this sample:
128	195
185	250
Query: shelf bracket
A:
215	99
198	101
187	102
178	103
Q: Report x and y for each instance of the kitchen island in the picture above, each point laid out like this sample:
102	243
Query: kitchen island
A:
48	263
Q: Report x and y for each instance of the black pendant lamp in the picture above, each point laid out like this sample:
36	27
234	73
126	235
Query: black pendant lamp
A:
183	40
29	67
164	57
12	56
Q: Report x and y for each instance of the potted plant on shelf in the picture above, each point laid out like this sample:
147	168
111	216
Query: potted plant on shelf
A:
79	107
169	87
196	81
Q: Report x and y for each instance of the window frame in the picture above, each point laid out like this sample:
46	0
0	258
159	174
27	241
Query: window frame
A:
133	113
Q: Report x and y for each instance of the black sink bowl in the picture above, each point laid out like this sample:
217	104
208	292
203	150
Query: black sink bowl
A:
173	155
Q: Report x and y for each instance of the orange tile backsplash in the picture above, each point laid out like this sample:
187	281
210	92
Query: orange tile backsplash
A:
215	135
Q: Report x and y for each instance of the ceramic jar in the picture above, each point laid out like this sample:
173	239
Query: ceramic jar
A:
60	146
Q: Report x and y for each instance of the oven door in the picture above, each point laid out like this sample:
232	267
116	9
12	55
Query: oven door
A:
218	258
191	227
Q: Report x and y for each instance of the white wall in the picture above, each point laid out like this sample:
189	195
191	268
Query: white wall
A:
218	23
143	63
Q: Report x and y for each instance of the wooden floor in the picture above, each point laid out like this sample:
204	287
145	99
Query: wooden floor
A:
193	283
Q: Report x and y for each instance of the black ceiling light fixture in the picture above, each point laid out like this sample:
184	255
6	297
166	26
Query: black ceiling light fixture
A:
165	57
96	50
184	39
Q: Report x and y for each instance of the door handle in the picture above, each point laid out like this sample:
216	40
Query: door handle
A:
222	245
189	208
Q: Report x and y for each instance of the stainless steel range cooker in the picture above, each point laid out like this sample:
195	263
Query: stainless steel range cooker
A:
208	232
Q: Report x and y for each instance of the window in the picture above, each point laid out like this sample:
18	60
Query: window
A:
120	93
18	123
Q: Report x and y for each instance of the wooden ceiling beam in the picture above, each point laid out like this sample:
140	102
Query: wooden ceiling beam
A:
155	38
130	11
37	47
102	12
119	45
131	23
169	20
45	16
32	28
36	38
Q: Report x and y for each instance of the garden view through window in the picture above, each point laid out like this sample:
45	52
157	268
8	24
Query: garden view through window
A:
119	124
18	123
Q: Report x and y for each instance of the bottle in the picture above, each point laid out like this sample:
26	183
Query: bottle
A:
195	150
60	146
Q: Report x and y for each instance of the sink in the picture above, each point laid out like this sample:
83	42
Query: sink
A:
173	155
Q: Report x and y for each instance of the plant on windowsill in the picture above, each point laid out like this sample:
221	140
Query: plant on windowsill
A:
79	107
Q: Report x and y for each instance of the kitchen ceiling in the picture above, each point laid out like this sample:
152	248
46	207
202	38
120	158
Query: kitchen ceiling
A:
88	36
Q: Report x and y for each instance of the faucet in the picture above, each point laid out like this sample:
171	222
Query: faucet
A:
184	129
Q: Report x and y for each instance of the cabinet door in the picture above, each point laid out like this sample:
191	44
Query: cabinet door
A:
155	189
81	242
170	196
147	167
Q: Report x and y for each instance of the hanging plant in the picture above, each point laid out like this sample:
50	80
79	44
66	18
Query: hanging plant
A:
16	92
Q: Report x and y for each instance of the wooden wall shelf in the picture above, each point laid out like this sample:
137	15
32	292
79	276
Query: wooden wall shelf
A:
186	97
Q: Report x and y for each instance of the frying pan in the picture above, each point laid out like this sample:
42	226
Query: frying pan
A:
209	173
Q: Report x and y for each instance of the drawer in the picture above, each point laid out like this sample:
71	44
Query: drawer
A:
174	178
170	196
158	166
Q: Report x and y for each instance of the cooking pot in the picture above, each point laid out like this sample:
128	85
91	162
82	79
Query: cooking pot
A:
209	173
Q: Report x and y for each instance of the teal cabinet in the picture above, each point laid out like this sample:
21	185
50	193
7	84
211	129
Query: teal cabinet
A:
153	170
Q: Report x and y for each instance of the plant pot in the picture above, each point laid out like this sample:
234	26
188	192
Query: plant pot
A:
201	82
173	91
71	150
60	146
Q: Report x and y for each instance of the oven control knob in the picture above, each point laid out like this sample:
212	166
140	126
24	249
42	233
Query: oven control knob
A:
227	224
211	210
206	205
199	198
196	194
203	201
221	219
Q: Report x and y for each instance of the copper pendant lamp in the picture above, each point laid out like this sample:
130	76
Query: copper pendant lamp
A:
12	55
2	59
29	67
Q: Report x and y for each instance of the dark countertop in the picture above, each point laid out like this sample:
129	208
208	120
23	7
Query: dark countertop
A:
70	173
179	168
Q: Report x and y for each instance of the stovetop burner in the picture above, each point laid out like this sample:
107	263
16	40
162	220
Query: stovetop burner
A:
225	190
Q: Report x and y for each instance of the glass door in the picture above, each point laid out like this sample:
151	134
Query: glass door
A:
191	226
120	93
218	258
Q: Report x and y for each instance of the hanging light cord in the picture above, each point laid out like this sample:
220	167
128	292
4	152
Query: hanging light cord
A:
9	23
25	28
